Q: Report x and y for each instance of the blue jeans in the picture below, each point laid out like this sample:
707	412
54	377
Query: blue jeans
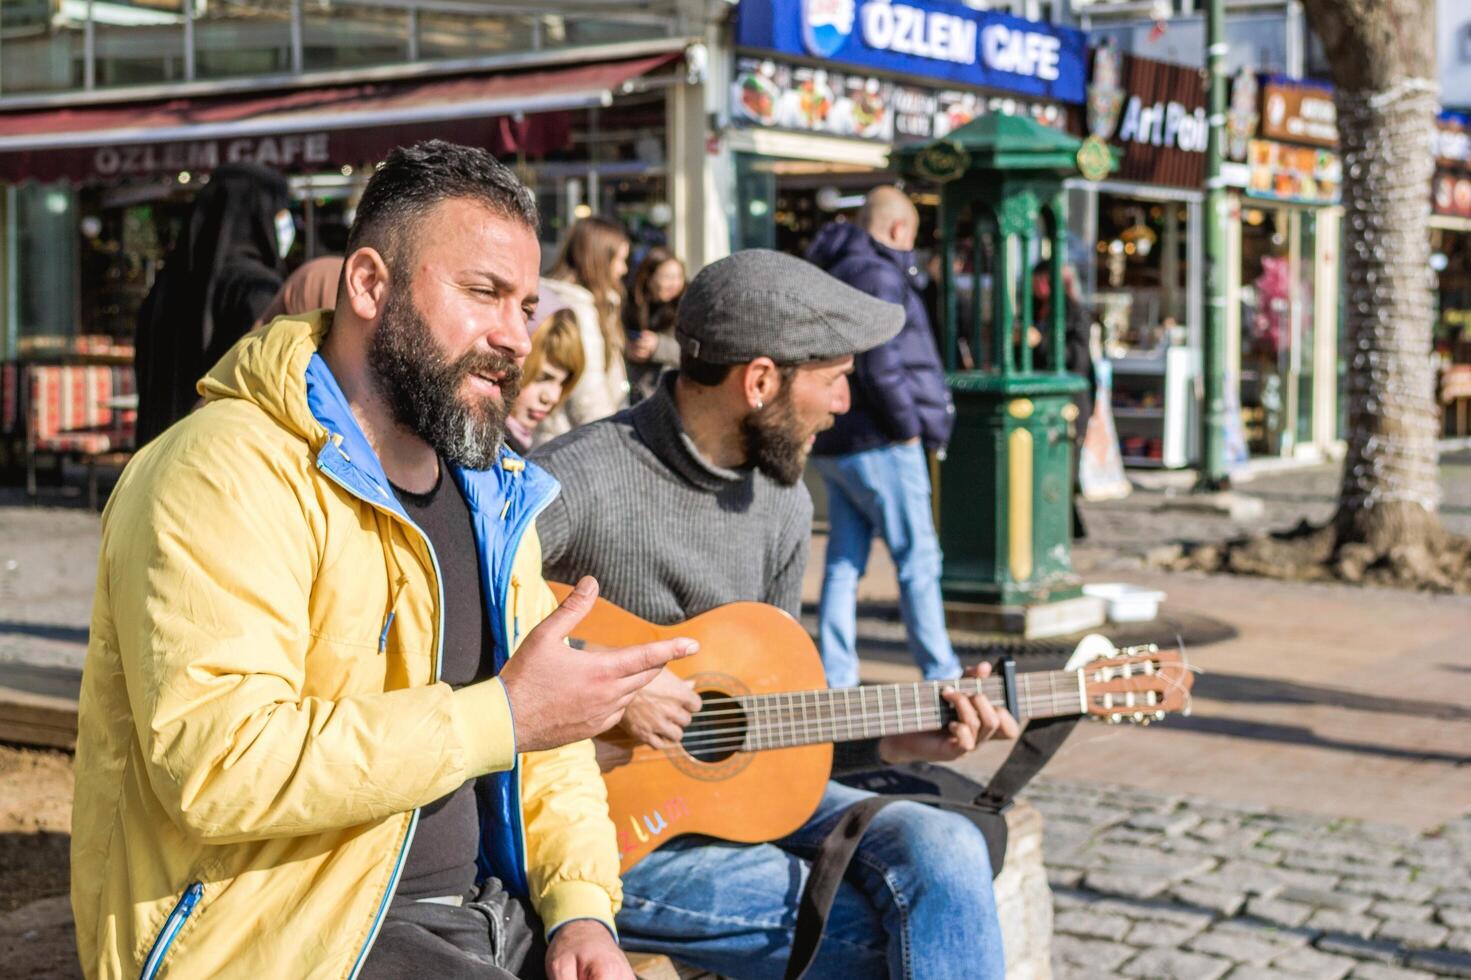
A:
884	491
917	901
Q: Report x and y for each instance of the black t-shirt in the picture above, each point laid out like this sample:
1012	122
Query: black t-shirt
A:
441	859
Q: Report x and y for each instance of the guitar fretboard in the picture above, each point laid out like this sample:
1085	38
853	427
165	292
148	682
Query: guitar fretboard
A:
791	718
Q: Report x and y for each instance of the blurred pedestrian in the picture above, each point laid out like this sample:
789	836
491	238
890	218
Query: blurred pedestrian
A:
549	375
588	279
648	321
873	460
313	286
220	276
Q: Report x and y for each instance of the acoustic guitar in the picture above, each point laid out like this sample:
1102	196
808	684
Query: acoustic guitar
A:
755	760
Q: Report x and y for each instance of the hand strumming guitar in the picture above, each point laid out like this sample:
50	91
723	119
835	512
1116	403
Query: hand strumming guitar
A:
658	714
978	721
560	695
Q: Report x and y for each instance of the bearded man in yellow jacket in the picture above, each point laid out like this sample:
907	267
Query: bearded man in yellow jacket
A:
304	749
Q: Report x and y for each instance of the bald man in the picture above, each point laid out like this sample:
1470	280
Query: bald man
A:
873	460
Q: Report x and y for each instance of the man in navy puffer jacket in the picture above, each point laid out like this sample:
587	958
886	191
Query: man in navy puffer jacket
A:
873	459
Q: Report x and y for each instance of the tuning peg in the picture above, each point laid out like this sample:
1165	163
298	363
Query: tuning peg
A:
1159	716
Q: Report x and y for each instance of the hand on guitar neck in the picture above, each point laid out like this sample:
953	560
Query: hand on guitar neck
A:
658	715
976	722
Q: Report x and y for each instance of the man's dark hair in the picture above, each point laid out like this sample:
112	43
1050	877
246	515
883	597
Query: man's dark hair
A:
413	179
708	374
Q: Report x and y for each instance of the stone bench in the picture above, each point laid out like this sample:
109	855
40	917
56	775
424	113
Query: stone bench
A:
37	939
1023	900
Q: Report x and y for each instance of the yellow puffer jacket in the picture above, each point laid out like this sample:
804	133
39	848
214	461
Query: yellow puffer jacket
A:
260	717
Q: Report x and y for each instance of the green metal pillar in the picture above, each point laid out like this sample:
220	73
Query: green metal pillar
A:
1005	487
1213	474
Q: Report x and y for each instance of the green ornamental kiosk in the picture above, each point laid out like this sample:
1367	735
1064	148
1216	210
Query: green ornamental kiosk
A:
1005	486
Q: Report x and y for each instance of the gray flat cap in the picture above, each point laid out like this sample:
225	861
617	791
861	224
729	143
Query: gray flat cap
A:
760	303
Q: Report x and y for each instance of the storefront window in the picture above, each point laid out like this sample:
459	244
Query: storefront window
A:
444	35
336	37
1279	335
457	36
46	256
1304	323
43	47
39	52
1450	257
242	37
756	200
125	232
1141	292
139	44
1258	41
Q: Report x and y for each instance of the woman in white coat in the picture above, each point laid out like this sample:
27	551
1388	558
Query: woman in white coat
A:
588	279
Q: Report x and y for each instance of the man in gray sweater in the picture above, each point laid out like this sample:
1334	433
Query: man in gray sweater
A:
693	499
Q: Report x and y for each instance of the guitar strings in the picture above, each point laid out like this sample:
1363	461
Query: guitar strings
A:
788	722
991	687
756	702
715	741
765	729
741	743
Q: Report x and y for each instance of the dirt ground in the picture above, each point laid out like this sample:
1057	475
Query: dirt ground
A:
1311	554
36	938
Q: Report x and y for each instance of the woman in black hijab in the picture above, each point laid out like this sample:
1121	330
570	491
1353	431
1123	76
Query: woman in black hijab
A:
222	273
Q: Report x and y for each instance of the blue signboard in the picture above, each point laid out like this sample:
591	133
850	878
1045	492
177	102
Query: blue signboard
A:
926	39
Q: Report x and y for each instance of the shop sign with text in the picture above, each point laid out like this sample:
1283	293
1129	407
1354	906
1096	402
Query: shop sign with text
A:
931	39
1299	112
288	152
1154	112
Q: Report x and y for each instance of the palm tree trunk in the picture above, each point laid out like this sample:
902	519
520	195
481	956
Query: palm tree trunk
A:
1383	57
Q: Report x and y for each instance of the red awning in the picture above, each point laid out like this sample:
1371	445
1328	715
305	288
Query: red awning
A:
304	130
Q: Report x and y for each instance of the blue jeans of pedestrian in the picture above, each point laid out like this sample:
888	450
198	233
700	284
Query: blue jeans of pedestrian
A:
917	902
884	491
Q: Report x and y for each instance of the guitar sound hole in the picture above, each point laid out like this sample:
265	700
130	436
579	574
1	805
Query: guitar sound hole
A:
718	730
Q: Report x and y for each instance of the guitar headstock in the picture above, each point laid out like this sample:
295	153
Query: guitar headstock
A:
1137	684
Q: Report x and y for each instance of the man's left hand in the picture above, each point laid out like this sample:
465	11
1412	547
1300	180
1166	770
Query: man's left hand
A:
977	721
584	949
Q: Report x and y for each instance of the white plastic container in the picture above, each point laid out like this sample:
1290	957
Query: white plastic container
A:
1127	603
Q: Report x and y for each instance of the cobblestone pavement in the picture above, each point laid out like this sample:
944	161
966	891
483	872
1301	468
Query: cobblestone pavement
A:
1149	885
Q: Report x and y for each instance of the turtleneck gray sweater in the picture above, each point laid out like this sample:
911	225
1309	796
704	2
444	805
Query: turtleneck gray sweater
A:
667	534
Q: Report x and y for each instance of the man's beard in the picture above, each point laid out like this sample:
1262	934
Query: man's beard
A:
775	444
423	386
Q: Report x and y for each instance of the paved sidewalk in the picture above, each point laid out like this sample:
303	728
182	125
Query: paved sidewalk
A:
1166	886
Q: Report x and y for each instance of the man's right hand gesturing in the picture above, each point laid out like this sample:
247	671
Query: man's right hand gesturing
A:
560	695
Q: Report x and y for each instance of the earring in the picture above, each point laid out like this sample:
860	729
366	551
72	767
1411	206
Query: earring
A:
760	404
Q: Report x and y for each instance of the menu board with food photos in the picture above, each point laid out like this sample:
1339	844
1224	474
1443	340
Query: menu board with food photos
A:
836	103
1303	174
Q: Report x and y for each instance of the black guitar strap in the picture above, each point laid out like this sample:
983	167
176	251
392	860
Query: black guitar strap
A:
1040	739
